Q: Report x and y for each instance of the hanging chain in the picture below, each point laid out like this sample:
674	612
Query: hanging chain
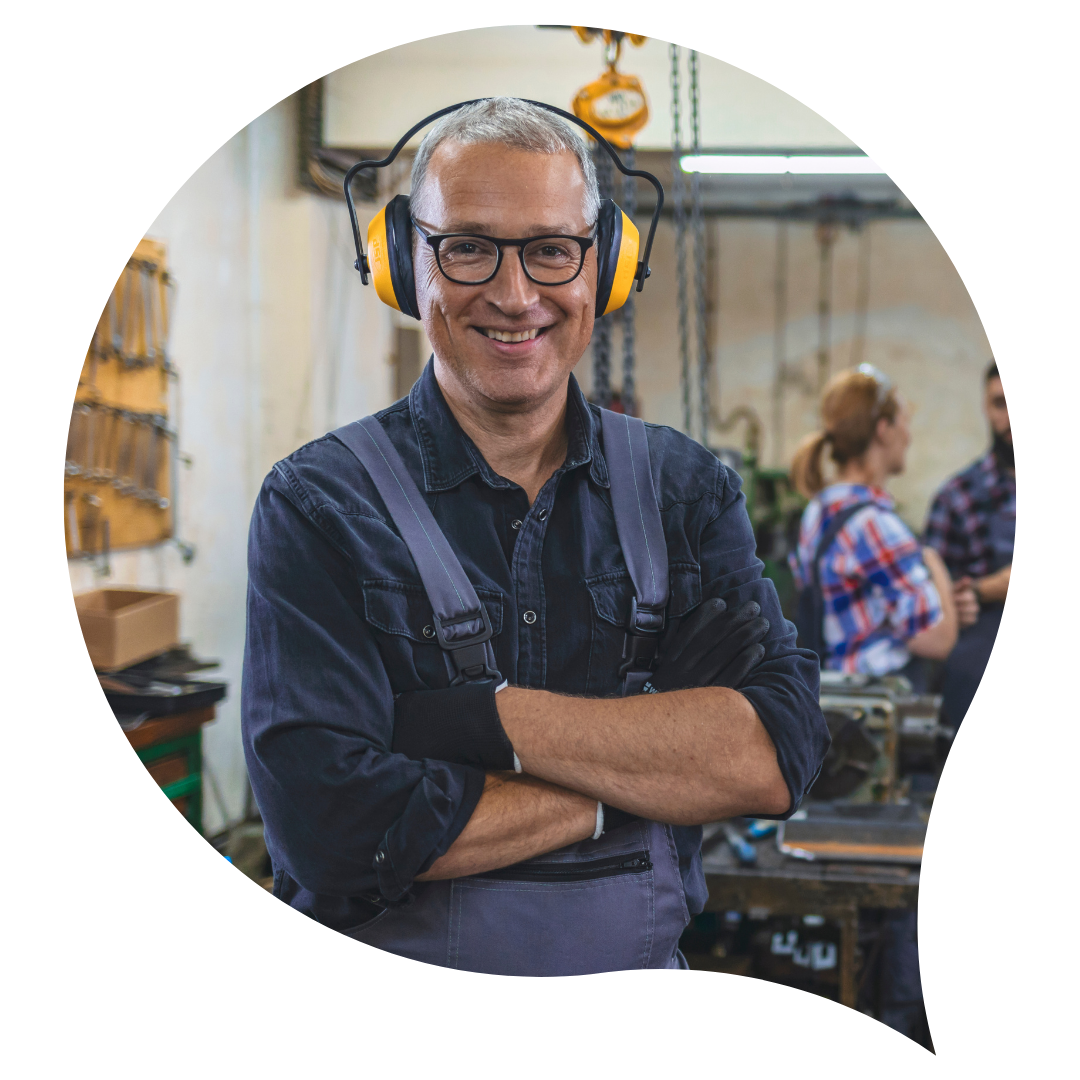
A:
780	305
826	233
601	337
629	386
697	219
678	190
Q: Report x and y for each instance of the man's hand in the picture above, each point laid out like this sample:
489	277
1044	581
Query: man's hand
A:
713	647
993	588
967	602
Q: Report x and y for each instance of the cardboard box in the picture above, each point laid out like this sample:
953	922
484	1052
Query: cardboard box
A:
123	626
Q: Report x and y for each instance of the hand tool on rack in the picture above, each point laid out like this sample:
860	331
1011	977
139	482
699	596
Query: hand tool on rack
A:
138	455
74	543
71	464
91	442
146	490
107	441
79	420
166	286
119	299
161	444
105	567
128	431
90	521
148	277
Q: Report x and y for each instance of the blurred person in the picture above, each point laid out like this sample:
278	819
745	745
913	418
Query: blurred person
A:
885	601
882	605
972	525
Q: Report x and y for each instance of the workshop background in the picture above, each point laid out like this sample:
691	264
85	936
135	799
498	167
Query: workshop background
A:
272	340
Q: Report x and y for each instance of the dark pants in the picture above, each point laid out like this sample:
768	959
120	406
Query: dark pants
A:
967	662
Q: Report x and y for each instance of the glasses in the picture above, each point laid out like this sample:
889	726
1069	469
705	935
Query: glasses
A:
472	259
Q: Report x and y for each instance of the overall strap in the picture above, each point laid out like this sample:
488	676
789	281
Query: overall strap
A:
462	626
641	537
828	538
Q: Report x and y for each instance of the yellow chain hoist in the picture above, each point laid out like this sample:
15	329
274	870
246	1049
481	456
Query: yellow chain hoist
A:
614	104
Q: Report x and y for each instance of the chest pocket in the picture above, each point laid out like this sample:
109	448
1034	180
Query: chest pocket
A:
611	595
401	616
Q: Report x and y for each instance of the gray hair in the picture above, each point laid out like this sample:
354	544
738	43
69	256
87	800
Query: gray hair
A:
509	122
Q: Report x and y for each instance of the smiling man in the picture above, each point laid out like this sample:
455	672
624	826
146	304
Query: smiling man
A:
576	847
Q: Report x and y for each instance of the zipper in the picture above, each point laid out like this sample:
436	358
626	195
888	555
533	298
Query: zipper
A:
636	863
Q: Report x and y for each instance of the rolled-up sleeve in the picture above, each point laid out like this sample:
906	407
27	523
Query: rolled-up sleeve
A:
344	816
784	687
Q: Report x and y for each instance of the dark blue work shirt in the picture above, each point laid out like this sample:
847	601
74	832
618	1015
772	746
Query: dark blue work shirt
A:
338	624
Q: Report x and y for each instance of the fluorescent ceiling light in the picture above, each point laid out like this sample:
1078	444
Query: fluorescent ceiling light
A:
779	164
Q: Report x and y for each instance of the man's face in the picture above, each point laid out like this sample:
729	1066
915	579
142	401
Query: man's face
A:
997	412
498	191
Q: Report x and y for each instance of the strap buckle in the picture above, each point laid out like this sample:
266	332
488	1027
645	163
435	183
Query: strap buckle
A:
642	641
469	652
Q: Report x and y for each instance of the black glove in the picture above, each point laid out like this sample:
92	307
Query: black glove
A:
713	647
460	724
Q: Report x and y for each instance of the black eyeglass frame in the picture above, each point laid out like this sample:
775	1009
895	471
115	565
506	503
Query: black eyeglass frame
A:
436	239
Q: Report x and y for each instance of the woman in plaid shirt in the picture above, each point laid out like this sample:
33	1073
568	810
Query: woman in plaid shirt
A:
886	599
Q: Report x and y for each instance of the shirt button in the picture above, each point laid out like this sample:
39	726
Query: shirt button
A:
515	524
429	631
529	617
380	858
542	515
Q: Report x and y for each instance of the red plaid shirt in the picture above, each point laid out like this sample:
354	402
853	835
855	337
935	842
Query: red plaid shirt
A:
961	522
877	590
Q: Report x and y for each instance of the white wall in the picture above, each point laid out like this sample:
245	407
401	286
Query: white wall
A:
276	343
413	80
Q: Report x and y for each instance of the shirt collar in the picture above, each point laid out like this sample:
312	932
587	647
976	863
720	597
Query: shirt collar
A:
450	457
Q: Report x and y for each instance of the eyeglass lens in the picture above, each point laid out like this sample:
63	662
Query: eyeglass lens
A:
550	260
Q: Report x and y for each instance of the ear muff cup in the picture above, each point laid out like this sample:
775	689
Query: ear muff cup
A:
617	243
390	256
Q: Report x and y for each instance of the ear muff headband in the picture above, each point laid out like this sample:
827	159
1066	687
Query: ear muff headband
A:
392	267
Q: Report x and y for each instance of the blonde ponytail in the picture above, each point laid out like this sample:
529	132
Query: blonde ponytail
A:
806	469
853	403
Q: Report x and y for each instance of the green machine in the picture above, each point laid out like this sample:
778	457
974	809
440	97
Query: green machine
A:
774	506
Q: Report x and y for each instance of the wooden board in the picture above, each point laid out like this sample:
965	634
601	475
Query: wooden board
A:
118	471
166	728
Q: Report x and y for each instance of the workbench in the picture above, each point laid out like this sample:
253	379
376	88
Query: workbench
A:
171	749
781	885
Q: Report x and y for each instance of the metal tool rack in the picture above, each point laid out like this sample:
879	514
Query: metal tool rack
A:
121	460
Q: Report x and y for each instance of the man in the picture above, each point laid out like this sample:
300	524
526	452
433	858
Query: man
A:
972	525
491	869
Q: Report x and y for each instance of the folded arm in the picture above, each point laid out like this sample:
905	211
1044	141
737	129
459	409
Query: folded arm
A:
685	757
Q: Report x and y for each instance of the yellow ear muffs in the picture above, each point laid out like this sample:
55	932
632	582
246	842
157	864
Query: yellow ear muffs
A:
617	242
390	256
378	253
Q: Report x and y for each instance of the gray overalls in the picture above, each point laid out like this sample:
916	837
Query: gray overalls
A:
599	905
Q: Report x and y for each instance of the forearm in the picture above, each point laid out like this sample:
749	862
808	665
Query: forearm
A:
684	758
936	642
517	817
993	588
